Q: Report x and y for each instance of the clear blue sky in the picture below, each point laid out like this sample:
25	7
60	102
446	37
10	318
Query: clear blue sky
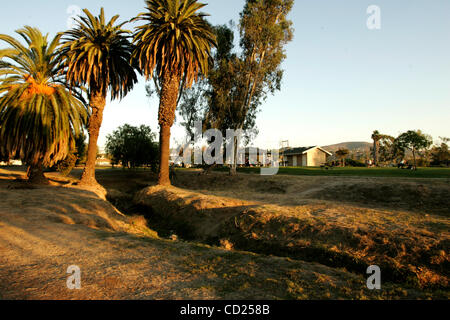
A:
342	80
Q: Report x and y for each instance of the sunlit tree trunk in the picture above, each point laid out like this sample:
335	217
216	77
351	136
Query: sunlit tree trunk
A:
233	168
97	101
164	154
167	106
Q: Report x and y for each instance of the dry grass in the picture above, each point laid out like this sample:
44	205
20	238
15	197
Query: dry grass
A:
43	230
400	225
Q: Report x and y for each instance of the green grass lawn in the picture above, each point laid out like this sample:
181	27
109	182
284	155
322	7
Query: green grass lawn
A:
353	171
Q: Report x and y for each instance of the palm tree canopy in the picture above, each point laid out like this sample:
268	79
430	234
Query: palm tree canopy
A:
175	39
342	152
98	54
39	116
376	135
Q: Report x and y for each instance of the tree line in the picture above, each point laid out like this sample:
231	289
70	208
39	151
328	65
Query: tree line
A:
419	144
240	78
53	89
387	149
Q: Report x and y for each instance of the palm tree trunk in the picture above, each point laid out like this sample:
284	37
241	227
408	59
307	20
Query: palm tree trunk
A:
97	101
35	174
167	106
375	153
164	152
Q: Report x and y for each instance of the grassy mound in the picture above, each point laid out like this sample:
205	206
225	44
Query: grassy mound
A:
43	230
62	202
412	196
409	246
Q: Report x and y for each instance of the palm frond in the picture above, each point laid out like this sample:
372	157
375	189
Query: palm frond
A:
97	54
39	115
174	39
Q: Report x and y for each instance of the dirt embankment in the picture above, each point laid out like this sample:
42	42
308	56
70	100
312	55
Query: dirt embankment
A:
44	230
339	222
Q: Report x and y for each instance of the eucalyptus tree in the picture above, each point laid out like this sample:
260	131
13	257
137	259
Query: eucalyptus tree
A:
256	71
415	141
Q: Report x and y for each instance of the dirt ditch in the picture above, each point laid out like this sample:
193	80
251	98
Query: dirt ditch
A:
401	226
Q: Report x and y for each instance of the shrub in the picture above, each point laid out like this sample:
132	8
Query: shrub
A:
133	147
354	163
65	166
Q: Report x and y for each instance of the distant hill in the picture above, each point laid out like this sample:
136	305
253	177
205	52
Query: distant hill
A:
351	146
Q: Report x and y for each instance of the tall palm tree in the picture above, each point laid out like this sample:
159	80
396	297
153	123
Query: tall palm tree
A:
175	40
39	116
376	137
97	55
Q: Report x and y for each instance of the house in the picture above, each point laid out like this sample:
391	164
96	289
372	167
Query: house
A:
304	157
102	159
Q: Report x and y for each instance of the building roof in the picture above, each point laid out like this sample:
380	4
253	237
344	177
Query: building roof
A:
292	151
302	150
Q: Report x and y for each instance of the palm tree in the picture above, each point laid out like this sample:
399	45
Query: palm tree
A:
39	116
376	137
341	154
97	55
176	42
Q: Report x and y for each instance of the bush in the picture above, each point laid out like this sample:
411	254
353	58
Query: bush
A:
133	147
65	166
354	163
81	149
422	162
